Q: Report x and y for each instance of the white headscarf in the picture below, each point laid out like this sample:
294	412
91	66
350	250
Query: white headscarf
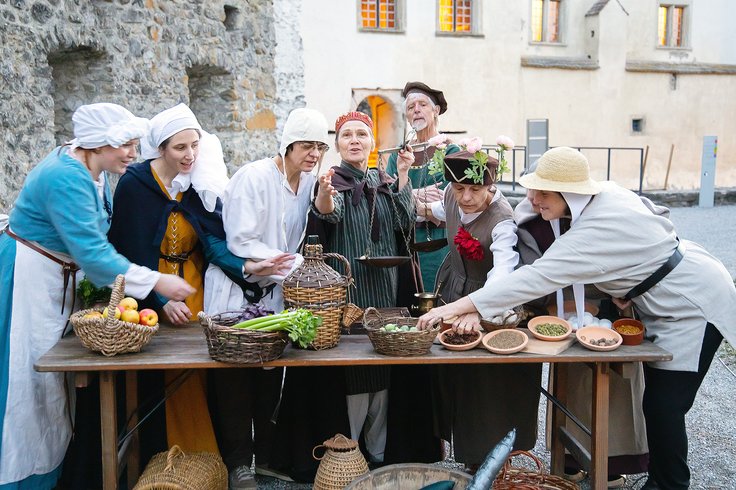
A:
303	125
209	174
102	124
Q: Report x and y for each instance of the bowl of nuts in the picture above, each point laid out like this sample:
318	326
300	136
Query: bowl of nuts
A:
549	328
598	338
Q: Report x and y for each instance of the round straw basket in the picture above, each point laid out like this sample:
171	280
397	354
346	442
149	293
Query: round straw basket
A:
518	478
398	343
317	287
176	470
108	335
341	463
238	345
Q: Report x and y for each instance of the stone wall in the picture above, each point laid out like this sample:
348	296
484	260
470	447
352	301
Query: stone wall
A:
218	56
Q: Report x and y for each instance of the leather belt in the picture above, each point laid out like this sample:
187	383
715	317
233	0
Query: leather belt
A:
657	276
67	268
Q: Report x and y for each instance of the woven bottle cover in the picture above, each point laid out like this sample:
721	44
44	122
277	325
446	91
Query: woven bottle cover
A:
340	443
314	272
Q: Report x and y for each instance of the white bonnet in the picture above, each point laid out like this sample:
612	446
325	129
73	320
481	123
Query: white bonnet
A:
102	124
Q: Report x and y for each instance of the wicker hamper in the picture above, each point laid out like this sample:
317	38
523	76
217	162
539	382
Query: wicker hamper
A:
175	470
317	287
398	343
520	478
108	335
341	463
237	345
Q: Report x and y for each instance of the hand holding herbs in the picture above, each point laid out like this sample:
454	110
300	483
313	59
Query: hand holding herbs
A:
300	324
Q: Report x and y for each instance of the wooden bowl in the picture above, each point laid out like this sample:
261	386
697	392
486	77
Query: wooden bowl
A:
630	338
449	346
569	306
538	320
585	334
490	335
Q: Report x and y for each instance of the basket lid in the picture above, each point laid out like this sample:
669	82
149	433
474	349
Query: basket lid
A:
340	443
314	272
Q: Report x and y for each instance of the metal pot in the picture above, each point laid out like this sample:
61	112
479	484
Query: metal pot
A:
424	303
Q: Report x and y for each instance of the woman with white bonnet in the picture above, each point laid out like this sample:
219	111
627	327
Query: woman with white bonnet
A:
683	295
166	215
57	227
264	213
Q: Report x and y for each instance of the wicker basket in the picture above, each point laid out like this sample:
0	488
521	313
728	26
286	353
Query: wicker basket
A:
342	463
517	478
317	287
489	326
175	470
237	345
398	343
108	335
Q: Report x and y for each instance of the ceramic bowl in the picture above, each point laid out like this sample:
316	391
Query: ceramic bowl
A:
487	338
538	320
448	346
569	306
630	338
586	334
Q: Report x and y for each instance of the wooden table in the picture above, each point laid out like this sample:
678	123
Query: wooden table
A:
185	348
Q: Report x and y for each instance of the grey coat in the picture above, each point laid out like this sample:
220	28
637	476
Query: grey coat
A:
615	244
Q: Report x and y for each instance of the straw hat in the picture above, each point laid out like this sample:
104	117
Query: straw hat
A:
562	169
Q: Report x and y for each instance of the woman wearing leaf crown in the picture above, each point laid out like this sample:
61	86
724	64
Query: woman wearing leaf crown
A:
482	236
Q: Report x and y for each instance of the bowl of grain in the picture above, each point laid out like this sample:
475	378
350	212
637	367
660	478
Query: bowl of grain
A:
505	341
549	328
632	331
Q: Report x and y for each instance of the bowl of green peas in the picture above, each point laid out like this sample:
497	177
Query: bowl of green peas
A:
549	328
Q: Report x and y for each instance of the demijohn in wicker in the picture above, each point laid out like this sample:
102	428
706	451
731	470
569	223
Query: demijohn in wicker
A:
317	287
107	334
341	463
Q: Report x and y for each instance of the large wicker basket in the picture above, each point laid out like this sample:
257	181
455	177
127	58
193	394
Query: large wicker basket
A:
317	287
398	343
237	345
521	478
341	463
175	470
108	335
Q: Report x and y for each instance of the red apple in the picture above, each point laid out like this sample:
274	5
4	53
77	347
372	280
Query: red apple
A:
148	317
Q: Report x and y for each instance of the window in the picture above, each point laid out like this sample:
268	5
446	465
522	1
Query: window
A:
670	26
379	15
637	125
545	21
458	16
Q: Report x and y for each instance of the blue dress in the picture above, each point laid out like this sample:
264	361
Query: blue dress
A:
60	209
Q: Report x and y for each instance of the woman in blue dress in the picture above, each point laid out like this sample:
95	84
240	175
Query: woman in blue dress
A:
58	227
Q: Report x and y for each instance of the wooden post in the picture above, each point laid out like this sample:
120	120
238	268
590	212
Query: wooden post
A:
644	165
669	165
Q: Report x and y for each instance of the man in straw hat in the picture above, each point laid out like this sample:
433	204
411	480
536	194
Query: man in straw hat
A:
683	295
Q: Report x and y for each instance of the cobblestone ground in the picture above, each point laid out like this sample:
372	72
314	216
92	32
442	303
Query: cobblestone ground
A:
711	428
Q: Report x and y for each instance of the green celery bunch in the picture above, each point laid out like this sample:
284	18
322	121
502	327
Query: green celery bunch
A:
300	324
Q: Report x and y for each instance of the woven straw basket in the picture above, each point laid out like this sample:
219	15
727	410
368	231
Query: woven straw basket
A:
398	343
341	463
516	478
175	470
108	335
238	345
317	287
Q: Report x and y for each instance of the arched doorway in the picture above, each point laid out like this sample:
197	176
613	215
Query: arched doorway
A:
385	123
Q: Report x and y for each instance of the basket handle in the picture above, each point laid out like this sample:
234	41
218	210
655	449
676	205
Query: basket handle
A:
315	449
346	263
118	292
174	453
371	311
507	464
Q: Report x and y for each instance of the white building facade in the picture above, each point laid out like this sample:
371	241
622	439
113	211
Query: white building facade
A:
609	73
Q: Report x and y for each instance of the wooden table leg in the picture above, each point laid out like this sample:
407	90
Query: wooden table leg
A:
599	439
559	390
131	409
108	426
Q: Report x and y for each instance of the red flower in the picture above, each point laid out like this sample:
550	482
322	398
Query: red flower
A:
468	246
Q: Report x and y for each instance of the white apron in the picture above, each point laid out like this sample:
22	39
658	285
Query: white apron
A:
37	425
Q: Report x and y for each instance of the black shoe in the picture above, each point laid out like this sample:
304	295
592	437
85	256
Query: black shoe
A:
650	484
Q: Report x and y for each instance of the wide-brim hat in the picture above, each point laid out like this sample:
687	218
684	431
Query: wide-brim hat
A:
436	95
456	163
562	169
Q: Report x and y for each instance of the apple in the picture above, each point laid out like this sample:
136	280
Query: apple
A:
148	317
118	311
93	314
128	303
131	316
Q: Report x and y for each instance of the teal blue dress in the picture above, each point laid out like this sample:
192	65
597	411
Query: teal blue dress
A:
419	175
